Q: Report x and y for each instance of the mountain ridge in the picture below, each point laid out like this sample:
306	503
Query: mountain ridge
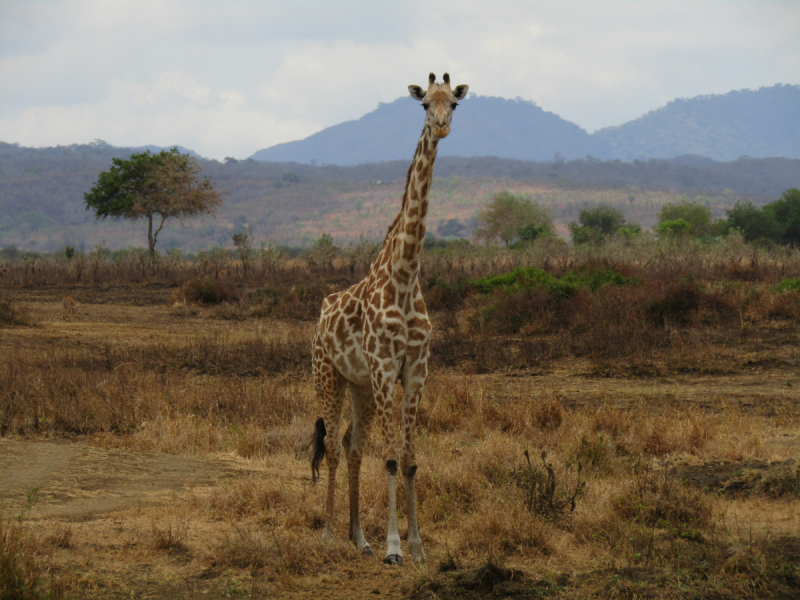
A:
759	123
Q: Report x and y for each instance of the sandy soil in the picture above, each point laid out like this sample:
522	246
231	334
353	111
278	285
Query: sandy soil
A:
73	481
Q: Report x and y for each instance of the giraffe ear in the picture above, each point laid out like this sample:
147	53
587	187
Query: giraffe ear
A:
416	92
461	92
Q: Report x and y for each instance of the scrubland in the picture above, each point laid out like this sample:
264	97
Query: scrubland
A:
615	422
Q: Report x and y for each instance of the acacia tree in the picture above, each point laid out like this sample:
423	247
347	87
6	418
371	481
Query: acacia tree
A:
506	214
153	187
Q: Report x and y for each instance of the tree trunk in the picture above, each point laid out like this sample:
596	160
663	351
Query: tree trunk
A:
151	242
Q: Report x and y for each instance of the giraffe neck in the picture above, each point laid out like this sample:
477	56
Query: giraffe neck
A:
408	233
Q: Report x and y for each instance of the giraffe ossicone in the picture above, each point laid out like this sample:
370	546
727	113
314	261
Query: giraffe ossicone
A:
375	333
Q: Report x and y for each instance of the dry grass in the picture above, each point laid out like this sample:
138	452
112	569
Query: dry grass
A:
149	378
23	565
13	315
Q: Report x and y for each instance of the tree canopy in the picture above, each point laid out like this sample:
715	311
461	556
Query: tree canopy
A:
595	224
696	215
164	185
507	214
786	212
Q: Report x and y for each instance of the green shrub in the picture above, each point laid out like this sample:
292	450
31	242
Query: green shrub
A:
527	278
674	227
518	279
788	285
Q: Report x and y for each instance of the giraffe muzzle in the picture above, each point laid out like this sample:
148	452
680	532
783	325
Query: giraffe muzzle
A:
441	132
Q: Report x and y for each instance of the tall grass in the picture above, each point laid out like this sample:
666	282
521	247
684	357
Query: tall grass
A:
23	572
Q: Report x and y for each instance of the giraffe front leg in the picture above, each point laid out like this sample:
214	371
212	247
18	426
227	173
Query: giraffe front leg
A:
383	378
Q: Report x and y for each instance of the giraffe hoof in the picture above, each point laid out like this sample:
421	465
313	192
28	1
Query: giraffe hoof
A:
367	551
393	559
417	553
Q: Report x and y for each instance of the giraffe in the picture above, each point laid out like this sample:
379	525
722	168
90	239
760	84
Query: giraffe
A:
376	333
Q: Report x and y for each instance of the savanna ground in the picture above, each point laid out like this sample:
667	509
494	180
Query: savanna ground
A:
156	447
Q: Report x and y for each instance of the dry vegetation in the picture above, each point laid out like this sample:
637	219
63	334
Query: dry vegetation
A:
665	405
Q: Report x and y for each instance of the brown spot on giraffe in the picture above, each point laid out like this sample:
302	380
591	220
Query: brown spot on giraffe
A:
362	342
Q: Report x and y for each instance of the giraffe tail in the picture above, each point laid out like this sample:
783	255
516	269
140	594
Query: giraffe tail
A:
317	448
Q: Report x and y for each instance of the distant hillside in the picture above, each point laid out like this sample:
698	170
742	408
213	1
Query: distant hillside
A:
759	124
762	123
482	126
42	207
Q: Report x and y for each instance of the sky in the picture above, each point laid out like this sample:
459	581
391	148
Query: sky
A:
230	77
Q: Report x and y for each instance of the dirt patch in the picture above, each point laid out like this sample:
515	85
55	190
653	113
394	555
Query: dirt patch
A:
74	481
488	581
774	479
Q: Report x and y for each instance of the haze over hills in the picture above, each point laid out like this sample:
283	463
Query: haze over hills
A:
483	126
757	123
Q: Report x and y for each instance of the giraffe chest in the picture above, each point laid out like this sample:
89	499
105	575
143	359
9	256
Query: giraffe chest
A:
358	334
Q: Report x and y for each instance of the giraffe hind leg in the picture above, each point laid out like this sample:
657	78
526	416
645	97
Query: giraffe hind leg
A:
363	413
330	387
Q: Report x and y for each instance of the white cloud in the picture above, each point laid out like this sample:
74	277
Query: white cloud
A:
229	78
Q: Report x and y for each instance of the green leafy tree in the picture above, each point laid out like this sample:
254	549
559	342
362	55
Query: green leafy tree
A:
754	223
506	214
528	234
694	214
152	187
596	224
786	212
674	227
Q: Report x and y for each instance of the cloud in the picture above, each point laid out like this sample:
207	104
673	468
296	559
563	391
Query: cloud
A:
176	109
231	78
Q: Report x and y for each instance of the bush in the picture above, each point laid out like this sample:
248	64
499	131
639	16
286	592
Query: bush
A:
677	306
301	302
528	294
528	278
11	314
205	291
442	295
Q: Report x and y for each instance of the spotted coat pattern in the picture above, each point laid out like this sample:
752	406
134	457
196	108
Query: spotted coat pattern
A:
377	333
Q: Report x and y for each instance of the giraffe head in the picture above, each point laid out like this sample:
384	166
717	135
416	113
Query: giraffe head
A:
439	102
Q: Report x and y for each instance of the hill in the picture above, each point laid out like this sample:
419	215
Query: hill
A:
761	123
42	207
483	126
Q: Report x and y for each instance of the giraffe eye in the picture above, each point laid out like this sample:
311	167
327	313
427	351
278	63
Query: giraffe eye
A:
453	105
425	106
